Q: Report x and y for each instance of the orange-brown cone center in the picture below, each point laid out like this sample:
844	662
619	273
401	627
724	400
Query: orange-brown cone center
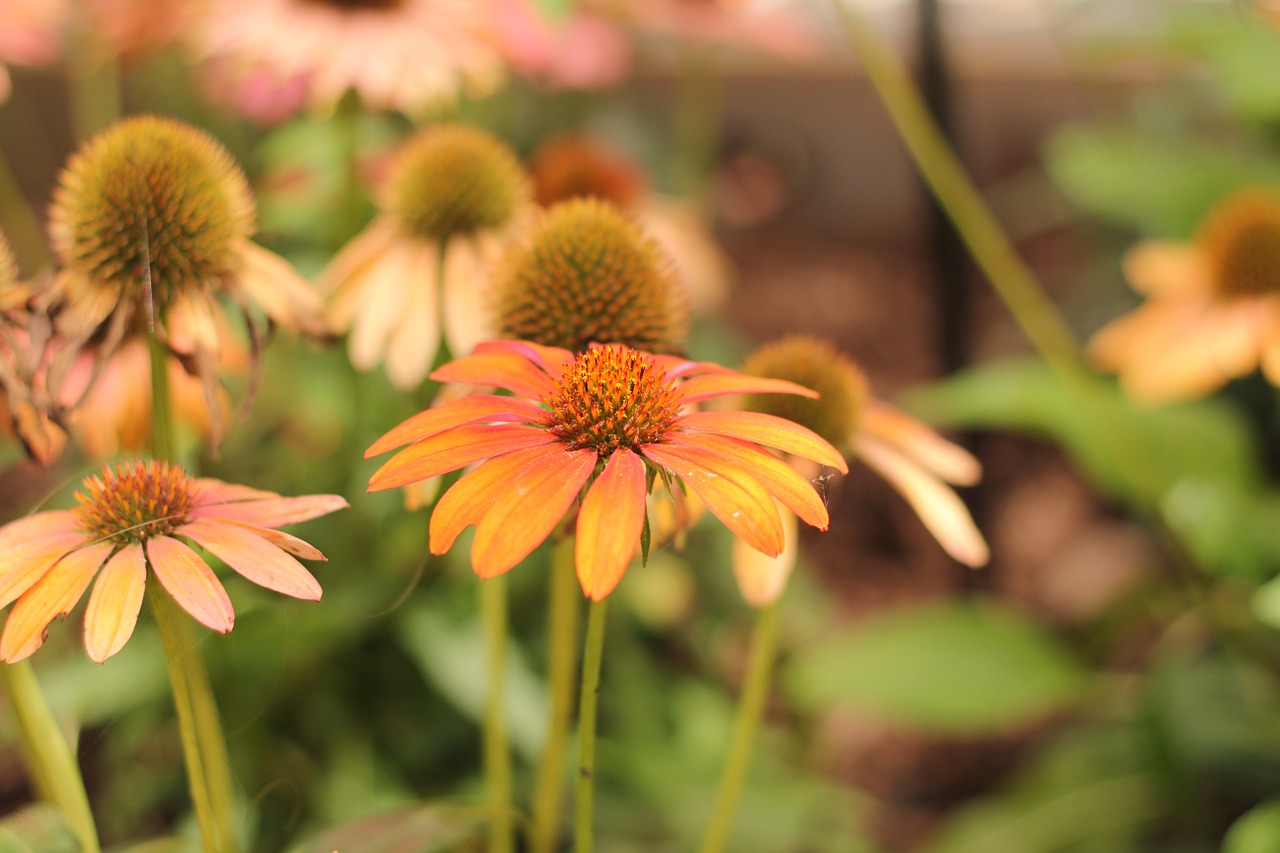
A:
136	501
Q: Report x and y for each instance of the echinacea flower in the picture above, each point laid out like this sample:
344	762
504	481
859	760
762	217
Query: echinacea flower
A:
142	518
1213	305
913	458
419	270
30	34
403	55
151	223
580	50
609	421
580	166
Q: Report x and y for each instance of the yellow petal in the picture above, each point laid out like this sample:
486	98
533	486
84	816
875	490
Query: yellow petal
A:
762	578
52	597
113	608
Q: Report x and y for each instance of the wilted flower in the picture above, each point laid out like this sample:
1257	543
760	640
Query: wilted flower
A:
419	269
609	421
1213	307
140	516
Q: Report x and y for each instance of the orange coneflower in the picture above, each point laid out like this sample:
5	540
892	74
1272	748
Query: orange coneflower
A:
610	420
1213	308
417	273
139	517
913	458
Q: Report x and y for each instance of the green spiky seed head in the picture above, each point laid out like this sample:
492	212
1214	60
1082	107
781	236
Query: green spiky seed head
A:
455	179
584	274
151	205
841	386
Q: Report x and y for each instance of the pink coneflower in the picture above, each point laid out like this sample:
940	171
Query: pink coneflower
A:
30	34
582	51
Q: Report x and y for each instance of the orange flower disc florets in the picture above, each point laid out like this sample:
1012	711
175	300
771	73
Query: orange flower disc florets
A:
1241	239
135	502
613	398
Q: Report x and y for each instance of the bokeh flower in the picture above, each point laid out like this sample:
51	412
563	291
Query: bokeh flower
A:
1213	305
402	55
418	271
144	517
913	458
30	34
580	166
735	23
609	421
581	50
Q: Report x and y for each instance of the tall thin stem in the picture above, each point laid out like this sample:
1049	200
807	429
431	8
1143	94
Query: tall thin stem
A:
564	616
497	751
46	753
592	654
755	692
20	223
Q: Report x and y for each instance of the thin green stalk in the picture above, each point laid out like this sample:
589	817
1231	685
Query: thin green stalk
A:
95	87
161	410
497	751
46	753
755	692
20	223
564	616
592	654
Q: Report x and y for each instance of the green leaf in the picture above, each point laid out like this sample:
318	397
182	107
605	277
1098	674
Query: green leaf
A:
1256	831
950	667
1241	55
37	829
433	828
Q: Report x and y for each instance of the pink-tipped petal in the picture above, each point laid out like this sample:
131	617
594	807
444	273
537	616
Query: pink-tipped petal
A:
722	384
52	597
918	442
499	369
26	563
470	498
528	509
454	449
113	608
769	430
552	360
35	526
762	578
211	491
479	407
273	512
191	582
736	499
609	524
938	506
253	557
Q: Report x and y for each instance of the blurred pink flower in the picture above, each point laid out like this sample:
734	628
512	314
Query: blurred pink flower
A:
135	26
30	34
739	23
585	51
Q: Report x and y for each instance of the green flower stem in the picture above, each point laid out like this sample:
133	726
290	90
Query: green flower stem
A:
497	751
955	192
592	653
46	753
161	410
564	616
95	86
20	223
755	692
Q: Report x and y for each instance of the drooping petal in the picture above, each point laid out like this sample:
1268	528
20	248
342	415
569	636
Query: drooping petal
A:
453	449
380	312
273	512
470	498
938	506
191	582
34	526
1164	267
271	283
437	419
284	541
913	439
609	524
722	384
52	597
738	501
466	314
343	280
778	478
769	430
416	338
762	578
113	608
253	557
26	563
528	509
499	369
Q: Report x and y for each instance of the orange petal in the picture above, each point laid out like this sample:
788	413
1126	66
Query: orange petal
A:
35	526
769	430
454	449
528	509
52	597
470	498
1193	360
609	524
211	491
273	512
1164	267
437	419
552	360
778	478
191	582
939	507
762	578
113	608
253	557
26	563
500	369
721	384
737	500
918	442
284	541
